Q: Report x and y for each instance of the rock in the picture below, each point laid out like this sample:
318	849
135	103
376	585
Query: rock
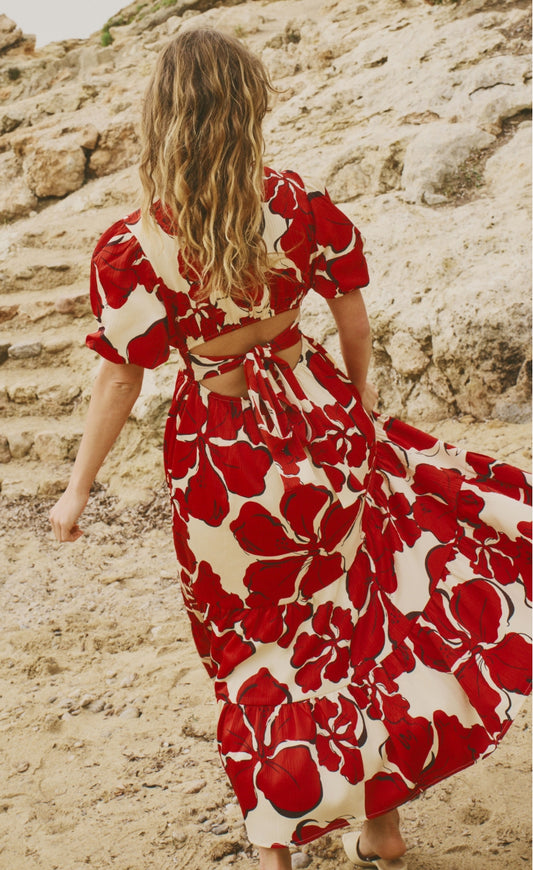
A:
75	306
58	394
4	348
218	830
25	351
53	486
10	34
35	311
435	154
118	147
423	405
300	861
92	56
495	89
407	357
20	444
20	394
481	350
366	170
97	706
56	345
9	120
353	175
50	446
55	168
8	312
509	167
16	198
5	453
82	135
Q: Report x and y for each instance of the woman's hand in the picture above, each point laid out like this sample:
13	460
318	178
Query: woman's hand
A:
65	514
369	397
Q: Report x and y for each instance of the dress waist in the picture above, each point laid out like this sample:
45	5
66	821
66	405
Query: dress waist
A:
203	367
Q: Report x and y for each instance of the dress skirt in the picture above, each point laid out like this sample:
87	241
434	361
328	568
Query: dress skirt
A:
358	591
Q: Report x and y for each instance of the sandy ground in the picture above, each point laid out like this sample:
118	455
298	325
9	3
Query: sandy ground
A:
107	752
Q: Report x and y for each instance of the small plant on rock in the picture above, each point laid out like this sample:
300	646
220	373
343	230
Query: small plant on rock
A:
106	38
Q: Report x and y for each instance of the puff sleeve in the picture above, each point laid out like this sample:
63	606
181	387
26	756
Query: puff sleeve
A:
127	301
338	264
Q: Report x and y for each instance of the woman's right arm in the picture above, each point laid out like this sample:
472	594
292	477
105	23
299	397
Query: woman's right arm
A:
355	342
114	393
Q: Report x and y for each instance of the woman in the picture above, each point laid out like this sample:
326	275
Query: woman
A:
356	589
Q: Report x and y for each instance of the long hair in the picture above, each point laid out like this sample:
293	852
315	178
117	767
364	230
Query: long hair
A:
202	157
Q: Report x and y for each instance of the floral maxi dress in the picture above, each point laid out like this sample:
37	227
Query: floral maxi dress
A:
358	591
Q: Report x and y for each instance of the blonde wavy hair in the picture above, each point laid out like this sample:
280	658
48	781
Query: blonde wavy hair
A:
202	157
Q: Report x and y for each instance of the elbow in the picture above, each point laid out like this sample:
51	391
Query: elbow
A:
122	381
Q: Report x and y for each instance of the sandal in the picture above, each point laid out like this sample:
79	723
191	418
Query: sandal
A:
351	847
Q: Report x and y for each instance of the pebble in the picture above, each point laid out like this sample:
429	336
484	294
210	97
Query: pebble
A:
130	713
86	700
25	351
219	829
97	706
300	860
193	787
23	767
128	681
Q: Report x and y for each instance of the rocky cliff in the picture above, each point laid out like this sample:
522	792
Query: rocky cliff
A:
417	115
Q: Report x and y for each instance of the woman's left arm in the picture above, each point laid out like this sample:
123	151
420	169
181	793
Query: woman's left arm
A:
114	393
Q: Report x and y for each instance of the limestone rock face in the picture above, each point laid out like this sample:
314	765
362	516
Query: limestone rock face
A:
436	153
117	148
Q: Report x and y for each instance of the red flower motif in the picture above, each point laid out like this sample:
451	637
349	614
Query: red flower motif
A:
306	539
324	654
340	731
266	748
210	448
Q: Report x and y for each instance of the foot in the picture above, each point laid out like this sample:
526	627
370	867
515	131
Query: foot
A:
381	836
274	859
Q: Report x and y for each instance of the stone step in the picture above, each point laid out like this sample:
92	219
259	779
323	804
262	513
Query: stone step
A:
51	308
50	348
40	268
42	439
33	478
26	392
